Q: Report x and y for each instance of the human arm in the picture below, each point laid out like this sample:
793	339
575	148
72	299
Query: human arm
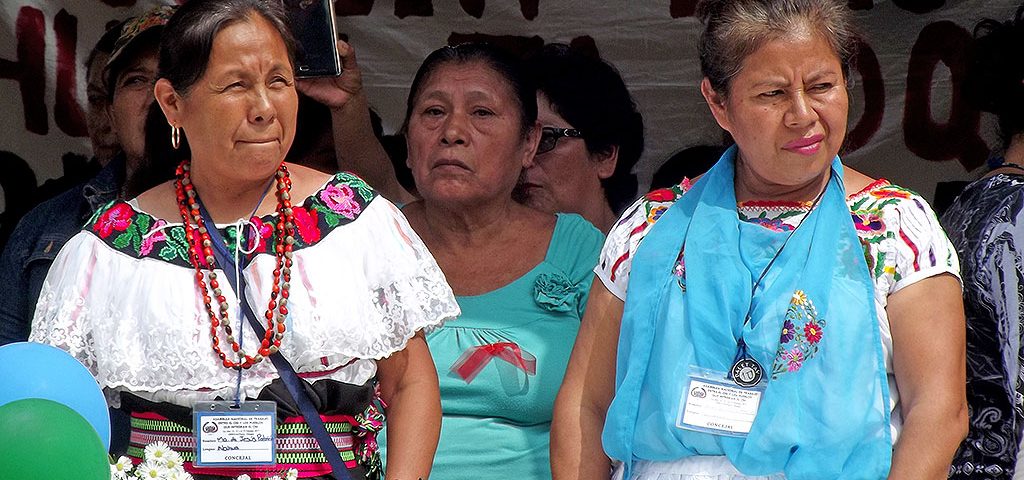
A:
586	392
928	335
357	148
408	385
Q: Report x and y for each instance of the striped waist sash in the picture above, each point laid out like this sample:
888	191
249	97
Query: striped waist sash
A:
296	446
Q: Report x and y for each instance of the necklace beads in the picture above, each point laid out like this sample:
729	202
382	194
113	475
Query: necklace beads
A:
201	253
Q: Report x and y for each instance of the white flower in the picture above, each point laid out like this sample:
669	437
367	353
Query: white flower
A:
178	475
243	477
150	469
157	452
291	474
275	477
173	461
121	469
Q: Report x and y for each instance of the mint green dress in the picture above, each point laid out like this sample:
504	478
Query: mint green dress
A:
497	424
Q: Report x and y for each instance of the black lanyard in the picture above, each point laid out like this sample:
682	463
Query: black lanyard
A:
746	371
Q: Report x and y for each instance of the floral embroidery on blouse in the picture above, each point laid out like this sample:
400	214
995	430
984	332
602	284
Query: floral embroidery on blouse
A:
802	331
140	235
556	293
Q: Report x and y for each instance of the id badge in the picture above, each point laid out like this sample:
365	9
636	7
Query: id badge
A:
711	403
235	436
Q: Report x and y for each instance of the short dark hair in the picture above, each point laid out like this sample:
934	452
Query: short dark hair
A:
590	94
188	37
503	63
733	29
995	72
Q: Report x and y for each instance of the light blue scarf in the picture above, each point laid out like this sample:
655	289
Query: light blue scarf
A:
825	411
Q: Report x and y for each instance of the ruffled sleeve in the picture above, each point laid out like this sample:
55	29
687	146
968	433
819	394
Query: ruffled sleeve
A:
616	257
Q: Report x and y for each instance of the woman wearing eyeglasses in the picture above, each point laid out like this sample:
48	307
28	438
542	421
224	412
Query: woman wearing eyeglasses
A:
592	136
521	276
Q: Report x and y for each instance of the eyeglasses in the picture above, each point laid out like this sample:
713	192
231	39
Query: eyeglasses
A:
549	137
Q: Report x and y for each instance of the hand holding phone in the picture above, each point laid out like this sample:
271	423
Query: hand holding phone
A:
312	23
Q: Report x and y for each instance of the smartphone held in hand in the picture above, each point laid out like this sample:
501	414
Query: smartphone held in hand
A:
312	23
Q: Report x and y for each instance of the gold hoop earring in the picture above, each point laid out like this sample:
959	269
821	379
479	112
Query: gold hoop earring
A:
175	136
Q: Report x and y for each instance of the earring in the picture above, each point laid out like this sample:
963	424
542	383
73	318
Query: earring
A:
175	136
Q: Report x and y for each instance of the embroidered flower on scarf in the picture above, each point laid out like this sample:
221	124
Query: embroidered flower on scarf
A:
794	359
800	338
787	332
341	200
813	332
116	218
555	292
306	222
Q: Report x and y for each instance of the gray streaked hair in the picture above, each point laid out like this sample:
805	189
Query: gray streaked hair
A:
733	29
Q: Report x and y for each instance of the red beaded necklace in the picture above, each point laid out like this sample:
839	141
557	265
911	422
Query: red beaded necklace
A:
285	229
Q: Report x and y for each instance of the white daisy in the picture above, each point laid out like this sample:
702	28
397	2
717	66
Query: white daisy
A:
275	477
178	475
150	470
121	468
243	477
291	474
173	461
157	452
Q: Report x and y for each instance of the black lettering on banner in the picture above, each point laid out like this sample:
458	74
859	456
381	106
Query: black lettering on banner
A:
958	136
919	6
29	70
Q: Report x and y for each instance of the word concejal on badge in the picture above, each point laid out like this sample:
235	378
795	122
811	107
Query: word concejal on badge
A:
746	372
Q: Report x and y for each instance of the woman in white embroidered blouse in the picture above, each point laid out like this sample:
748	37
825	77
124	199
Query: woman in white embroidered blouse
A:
343	286
847	337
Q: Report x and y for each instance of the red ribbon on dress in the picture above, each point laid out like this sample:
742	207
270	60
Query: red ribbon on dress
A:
474	360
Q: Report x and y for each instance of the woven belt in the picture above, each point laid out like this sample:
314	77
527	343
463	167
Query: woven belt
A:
296	446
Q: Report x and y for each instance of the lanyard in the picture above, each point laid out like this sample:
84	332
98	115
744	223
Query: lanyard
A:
746	371
295	385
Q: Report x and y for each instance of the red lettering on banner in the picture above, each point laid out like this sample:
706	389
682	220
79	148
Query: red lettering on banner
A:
958	137
682	8
67	112
29	70
874	98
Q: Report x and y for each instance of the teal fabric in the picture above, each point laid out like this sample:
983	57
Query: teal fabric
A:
497	425
824	413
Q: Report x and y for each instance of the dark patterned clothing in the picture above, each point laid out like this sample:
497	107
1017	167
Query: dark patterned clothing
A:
986	224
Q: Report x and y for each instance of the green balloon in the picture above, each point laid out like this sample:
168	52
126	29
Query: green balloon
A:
45	439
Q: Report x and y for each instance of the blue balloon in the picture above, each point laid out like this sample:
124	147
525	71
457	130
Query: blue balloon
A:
35	370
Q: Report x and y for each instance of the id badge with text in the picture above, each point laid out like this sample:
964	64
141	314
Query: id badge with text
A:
711	403
235	436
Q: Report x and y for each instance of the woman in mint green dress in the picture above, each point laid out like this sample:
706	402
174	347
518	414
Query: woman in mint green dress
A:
520	276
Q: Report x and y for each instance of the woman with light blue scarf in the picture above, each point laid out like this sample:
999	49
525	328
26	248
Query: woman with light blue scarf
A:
783	316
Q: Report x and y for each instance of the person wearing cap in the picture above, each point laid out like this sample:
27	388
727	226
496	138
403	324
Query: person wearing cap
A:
44	230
